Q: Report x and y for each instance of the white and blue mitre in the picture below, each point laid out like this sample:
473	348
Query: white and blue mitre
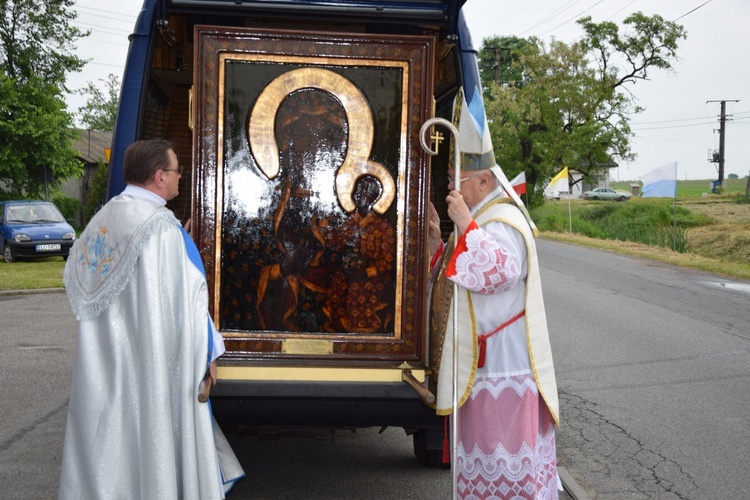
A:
477	152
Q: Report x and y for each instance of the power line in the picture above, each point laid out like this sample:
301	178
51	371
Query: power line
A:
128	17
551	16
675	138
108	42
121	66
574	17
690	12
674	126
620	10
105	28
124	19
676	120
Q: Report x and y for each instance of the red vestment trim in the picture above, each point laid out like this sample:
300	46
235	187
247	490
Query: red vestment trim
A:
436	256
482	339
461	247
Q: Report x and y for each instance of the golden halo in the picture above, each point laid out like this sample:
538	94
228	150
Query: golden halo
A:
264	147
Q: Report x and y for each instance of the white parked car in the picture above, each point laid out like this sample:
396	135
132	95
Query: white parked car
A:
602	193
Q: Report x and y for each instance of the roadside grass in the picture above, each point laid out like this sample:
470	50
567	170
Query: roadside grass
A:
728	237
711	265
713	232
643	220
31	274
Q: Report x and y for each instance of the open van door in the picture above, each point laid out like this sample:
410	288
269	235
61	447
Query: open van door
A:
298	123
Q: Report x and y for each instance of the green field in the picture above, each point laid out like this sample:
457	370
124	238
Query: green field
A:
710	231
694	187
31	274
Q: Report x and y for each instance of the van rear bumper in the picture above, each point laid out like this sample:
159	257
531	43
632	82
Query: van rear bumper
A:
320	404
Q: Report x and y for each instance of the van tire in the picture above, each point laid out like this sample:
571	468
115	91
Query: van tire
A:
428	448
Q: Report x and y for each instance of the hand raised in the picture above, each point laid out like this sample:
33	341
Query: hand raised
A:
458	211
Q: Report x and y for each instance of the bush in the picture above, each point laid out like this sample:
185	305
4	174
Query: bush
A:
644	221
98	193
67	205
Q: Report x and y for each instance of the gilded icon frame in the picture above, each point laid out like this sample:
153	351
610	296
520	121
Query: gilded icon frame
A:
312	55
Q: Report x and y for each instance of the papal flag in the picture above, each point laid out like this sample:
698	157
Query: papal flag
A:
559	182
661	182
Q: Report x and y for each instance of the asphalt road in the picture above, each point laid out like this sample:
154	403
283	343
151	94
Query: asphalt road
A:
37	337
652	365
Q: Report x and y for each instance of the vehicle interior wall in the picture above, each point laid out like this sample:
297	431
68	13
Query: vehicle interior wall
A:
166	111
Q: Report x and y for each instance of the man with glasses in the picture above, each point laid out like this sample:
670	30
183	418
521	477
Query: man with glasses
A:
136	283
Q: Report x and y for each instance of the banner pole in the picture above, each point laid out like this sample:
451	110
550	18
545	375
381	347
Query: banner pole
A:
570	217
674	219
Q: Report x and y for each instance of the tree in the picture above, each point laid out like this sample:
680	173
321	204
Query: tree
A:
36	138
36	131
100	111
36	40
495	58
97	196
572	104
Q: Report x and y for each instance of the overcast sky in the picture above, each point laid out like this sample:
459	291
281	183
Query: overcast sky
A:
678	124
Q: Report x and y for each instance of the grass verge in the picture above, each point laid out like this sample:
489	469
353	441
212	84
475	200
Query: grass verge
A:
687	260
31	274
713	232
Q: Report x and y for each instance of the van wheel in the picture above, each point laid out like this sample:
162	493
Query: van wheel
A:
428	448
8	254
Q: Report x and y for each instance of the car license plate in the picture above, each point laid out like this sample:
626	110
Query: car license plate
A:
48	248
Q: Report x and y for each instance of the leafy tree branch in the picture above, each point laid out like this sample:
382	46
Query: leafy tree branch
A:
556	105
36	131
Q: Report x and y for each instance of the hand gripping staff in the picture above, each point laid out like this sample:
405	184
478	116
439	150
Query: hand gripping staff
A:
457	185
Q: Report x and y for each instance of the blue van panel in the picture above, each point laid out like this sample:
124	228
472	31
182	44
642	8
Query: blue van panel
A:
132	91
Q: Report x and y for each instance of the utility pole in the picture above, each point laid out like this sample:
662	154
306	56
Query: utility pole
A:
501	55
722	134
496	63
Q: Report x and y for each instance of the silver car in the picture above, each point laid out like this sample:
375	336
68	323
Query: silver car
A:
603	193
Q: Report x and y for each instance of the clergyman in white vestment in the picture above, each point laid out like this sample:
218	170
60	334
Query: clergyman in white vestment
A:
135	427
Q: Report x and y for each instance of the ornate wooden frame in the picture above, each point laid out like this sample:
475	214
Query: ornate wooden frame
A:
226	56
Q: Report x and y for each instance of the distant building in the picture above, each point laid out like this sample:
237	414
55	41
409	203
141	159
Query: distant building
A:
89	148
598	178
574	187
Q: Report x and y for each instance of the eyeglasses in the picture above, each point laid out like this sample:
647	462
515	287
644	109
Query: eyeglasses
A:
451	179
179	170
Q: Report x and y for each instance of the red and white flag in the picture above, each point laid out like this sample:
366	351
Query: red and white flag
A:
519	183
